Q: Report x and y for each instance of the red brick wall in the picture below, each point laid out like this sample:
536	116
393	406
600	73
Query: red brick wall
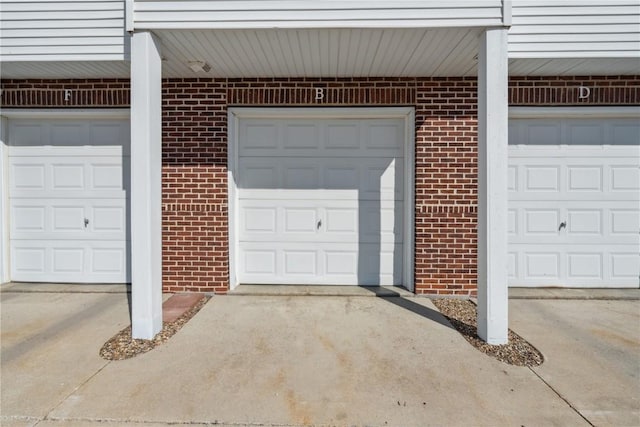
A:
446	181
195	252
564	90
92	93
195	221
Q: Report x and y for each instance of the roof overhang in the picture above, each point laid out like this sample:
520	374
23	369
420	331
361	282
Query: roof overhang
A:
321	52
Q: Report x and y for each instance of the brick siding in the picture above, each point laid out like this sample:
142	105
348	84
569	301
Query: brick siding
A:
194	204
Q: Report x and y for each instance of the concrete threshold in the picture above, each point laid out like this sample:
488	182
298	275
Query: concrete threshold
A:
338	291
575	294
70	288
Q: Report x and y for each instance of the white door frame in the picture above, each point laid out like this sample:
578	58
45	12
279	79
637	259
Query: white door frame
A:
235	114
602	112
53	113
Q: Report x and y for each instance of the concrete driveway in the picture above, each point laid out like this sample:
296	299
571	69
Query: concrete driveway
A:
314	360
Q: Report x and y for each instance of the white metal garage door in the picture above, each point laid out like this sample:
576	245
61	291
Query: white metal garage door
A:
574	202
320	201
68	187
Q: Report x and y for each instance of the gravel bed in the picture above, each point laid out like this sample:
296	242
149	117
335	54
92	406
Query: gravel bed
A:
122	346
462	315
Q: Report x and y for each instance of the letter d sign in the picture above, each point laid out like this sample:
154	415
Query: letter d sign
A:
584	92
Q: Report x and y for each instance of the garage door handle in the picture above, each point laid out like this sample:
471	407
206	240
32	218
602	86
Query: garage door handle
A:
319	224
563	224
86	222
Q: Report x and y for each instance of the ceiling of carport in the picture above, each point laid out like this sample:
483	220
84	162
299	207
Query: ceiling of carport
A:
322	52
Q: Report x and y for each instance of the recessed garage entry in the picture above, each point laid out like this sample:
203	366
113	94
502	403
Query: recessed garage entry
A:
319	197
574	206
68	200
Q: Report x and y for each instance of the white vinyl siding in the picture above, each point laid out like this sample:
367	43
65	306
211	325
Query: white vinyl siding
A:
62	31
230	14
575	29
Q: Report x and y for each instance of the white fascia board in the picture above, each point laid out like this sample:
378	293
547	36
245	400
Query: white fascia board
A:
205	25
571	54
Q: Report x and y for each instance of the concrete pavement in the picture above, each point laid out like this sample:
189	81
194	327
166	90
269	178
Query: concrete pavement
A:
314	360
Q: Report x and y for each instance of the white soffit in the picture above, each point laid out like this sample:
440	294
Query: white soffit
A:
573	66
321	52
64	70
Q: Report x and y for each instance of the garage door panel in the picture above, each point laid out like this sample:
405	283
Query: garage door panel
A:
320	201
625	133
320	138
327	264
107	218
96	177
65	218
542	178
69	261
68	176
585	265
574	265
58	134
68	190
624	221
625	265
541	221
27	219
28	260
68	218
584	222
599	223
584	133
27	176
322	221
625	178
110	174
375	178
583	176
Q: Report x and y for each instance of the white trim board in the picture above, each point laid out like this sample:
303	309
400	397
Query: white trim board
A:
574	112
66	113
235	114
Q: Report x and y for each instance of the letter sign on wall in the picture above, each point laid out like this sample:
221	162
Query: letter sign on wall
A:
319	94
584	92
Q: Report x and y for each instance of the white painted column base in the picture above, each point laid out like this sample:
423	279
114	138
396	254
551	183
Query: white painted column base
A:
146	186
492	186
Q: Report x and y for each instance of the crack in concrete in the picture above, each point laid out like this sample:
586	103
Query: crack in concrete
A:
561	396
48	416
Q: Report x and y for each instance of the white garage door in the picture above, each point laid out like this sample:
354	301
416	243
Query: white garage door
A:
574	206
320	201
69	181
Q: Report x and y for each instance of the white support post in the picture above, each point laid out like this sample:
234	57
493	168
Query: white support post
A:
492	186
146	186
4	201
